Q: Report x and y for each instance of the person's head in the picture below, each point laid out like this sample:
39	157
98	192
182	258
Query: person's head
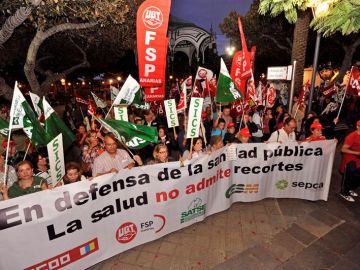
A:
73	172
216	142
226	111
24	170
161	131
198	144
110	143
92	138
310	114
149	116
260	108
39	158
296	98
221	124
289	125
231	128
268	112
279	109
161	152
138	121
316	129
358	126
244	135
81	128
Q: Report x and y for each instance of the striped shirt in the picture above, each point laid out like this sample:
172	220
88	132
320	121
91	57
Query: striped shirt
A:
105	162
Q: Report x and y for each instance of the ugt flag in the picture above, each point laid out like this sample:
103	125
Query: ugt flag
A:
226	89
22	116
354	81
134	136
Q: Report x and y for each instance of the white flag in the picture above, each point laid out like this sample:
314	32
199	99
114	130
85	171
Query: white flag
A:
99	102
128	91
35	101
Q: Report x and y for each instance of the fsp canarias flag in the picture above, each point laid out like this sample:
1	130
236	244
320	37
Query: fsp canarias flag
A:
54	126
22	116
151	30
134	136
226	88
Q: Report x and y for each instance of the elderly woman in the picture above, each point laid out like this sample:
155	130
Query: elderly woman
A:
27	183
160	155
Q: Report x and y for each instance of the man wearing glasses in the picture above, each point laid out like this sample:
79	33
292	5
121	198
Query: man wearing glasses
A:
113	159
286	133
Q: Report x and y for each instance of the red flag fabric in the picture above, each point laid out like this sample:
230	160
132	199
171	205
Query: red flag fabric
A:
330	90
91	108
270	96
151	30
201	83
353	85
236	72
246	59
250	89
252	59
303	93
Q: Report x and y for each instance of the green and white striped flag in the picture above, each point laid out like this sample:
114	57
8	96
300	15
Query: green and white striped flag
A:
226	88
130	94
4	127
36	101
54	125
22	116
99	102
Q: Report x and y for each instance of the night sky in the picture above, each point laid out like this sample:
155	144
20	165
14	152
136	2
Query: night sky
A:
206	12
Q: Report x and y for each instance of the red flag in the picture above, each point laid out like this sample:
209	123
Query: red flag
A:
270	96
182	102
252	59
250	88
236	72
151	30
91	108
246	59
201	84
353	85
329	91
303	93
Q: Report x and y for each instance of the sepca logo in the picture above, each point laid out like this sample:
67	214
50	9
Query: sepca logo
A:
242	188
308	185
282	184
126	232
152	17
196	209
67	257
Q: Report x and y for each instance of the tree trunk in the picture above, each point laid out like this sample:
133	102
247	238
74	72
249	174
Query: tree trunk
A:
40	37
299	46
346	63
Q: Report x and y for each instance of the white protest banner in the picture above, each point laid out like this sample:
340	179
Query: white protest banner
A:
56	159
277	73
194	117
78	225
171	113
121	113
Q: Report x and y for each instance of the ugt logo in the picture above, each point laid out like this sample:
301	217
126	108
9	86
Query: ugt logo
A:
241	188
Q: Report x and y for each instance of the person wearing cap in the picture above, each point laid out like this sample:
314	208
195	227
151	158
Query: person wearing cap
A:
230	134
350	164
316	133
243	136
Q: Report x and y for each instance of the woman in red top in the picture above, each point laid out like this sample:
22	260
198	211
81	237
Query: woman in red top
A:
350	164
316	133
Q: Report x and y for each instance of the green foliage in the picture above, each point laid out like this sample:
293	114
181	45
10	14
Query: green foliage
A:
344	17
289	7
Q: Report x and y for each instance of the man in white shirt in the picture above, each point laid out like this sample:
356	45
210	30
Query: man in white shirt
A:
286	133
113	159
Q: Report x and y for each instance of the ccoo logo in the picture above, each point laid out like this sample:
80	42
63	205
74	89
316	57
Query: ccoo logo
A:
126	232
281	184
152	17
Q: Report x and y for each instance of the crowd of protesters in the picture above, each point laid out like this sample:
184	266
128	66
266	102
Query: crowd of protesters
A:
97	152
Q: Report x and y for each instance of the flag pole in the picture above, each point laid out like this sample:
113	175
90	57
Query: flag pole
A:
27	150
342	102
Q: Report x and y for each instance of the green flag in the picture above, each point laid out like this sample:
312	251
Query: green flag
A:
134	136
54	125
36	101
4	127
226	89
130	94
22	116
98	101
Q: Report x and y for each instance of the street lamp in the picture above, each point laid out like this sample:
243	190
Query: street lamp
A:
230	50
319	10
118	78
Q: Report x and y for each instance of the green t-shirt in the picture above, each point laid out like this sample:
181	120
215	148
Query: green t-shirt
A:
16	191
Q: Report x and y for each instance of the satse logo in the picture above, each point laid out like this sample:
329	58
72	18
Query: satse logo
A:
152	17
126	232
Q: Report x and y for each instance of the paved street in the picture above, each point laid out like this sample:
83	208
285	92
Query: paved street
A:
269	234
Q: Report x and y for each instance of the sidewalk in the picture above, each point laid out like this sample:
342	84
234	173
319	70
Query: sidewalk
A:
269	234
